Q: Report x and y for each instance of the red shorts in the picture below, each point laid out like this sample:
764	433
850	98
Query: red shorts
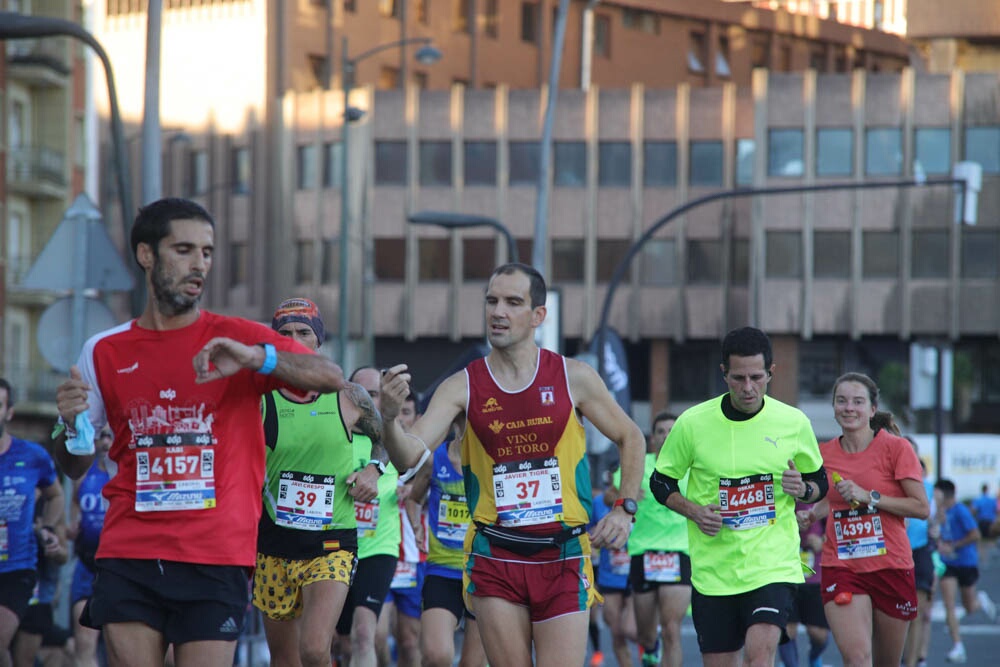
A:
548	590
893	592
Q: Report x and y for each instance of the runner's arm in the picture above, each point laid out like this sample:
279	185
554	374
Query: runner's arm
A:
406	449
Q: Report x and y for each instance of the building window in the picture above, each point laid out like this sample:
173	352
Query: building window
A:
390	259
704	261
880	254
305	261
434	259
697	54
491	19
643	21
241	170
390	163
659	163
435	163
460	16
834	151
567	260
478	258
350	6
739	262
238	263
198	173
982	145
930	254
614	163
388	77
420	80
784	153
530	18
745	151
658	263
389	8
333	157
722	68
784	255
610	253
523	157
480	163
817	59
785	60
570	160
694	371
883	151
307	167
832	254
933	147
602	36
330	270
980	254
420	10
760	51
706	163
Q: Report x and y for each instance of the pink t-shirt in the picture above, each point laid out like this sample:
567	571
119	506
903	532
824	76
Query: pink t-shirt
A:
866	540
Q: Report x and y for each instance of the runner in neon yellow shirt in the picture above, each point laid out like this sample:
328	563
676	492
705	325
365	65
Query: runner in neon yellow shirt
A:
749	459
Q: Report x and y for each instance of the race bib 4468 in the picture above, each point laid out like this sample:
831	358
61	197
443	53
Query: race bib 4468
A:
747	502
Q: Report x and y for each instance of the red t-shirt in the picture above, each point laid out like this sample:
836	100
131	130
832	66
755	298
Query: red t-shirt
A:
859	539
189	457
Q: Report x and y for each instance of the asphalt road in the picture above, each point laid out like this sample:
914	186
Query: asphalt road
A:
980	636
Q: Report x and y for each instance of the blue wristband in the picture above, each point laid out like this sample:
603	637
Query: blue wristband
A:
270	359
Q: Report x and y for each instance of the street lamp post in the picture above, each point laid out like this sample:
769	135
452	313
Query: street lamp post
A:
426	55
20	26
462	221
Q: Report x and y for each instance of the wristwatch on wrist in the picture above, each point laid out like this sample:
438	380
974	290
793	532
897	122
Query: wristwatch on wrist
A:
876	498
378	464
807	494
62	427
627	504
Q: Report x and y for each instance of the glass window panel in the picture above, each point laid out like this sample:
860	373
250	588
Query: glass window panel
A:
241	170
704	261
658	262
330	271
435	163
706	163
834	151
198	184
883	151
980	254
434	259
745	149
982	145
832	254
307	167
933	146
529	22
602	36
784	254
880	255
930	254
332	159
304	261
570	160
609	253
784	152
524	156
390	163
478	258
238	263
480	163
390	259
739	273
659	163
567	260
614	163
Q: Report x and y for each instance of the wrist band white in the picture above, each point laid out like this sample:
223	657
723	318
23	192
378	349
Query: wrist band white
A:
270	359
411	472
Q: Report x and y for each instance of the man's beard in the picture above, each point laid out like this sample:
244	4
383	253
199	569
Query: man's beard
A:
170	302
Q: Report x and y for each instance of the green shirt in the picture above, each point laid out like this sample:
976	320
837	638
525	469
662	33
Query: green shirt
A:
738	464
657	528
385	538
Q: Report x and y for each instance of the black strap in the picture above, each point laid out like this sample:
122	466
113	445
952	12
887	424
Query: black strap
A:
270	421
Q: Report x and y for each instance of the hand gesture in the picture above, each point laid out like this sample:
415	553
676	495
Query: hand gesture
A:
708	519
228	357
71	396
362	485
805	519
612	531
791	481
852	494
395	388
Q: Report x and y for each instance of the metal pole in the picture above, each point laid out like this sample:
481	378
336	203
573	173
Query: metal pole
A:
545	151
152	178
346	83
404	74
938	406
16	26
638	244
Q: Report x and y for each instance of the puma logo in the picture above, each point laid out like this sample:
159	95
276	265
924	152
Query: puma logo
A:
773	441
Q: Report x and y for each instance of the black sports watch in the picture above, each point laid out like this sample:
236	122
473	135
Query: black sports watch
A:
627	504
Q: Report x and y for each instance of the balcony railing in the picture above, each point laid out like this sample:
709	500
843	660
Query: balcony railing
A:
43	52
37	167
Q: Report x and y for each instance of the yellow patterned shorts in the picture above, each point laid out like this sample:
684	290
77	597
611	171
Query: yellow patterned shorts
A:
278	582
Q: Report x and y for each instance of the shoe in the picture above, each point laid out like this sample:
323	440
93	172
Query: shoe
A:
597	659
957	653
652	658
987	605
